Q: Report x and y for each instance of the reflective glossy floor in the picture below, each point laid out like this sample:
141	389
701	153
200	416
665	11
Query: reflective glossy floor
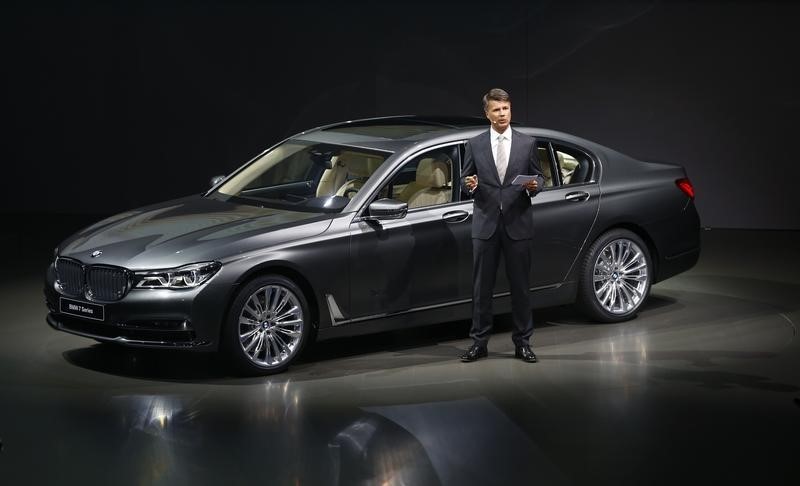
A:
701	388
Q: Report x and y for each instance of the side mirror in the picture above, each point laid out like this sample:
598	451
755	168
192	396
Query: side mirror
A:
217	179
387	209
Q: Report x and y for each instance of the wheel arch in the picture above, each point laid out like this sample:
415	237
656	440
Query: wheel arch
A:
635	229
585	298
284	270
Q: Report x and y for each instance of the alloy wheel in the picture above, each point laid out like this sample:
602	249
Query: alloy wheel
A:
620	276
270	326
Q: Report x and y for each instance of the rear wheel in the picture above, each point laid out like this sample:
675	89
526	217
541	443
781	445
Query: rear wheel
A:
615	277
267	326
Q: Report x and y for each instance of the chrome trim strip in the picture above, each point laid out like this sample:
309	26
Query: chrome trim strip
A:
435	306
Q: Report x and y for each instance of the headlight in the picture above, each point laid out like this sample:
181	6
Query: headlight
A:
186	277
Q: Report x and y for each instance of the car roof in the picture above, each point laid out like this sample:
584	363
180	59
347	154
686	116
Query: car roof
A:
397	133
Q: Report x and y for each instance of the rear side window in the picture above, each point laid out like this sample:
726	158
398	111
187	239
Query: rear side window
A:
574	166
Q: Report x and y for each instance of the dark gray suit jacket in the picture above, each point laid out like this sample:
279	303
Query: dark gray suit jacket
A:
517	212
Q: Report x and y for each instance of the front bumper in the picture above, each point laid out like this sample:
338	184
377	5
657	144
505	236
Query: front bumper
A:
185	319
140	336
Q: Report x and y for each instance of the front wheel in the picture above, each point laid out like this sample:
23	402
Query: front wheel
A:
267	326
615	276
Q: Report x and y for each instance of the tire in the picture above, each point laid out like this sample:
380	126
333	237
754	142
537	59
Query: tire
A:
267	326
615	276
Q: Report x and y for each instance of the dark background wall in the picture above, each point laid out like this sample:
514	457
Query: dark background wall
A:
112	107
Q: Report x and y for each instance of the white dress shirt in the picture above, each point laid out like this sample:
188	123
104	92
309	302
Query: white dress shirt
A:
506	143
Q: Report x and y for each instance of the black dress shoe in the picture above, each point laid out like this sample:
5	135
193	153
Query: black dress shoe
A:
474	352
525	353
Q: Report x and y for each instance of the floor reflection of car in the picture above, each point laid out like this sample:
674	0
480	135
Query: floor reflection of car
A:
361	227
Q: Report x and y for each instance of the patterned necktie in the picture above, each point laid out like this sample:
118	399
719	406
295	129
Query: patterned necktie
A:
502	158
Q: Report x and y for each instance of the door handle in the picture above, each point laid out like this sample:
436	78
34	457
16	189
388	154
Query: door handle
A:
577	196
456	216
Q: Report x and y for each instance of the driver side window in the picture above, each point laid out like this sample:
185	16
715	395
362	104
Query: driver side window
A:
425	180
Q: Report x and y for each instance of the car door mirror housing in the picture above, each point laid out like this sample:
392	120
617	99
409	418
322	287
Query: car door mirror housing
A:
383	209
216	180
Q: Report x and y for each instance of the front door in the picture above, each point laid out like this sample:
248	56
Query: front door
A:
422	259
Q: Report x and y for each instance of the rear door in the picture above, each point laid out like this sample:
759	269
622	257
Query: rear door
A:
564	211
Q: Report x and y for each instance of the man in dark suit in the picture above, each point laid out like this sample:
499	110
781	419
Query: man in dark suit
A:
502	222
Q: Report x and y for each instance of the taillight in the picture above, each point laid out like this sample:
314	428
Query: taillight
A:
685	185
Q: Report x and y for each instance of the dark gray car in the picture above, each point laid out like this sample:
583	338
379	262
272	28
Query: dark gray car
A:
361	227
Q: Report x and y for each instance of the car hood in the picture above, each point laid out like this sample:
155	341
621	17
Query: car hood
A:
188	230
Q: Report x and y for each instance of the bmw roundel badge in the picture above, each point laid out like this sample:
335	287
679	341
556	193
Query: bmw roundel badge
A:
97	253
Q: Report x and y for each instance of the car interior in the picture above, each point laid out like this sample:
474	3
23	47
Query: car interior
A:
426	180
432	183
544	164
349	171
572	167
573	170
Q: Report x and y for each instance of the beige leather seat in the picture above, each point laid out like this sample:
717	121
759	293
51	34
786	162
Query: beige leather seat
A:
332	179
359	168
414	187
567	165
433	183
544	164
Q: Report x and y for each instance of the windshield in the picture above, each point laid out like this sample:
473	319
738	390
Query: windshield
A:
305	176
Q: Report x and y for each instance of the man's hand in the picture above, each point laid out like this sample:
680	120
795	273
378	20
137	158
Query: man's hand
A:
532	185
471	182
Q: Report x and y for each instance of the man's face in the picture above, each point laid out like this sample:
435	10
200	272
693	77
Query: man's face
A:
499	114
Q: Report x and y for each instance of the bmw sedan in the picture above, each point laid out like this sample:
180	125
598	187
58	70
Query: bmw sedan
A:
360	227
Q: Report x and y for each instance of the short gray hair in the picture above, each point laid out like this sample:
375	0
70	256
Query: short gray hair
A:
495	94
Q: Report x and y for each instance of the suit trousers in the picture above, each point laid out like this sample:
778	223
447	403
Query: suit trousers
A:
486	261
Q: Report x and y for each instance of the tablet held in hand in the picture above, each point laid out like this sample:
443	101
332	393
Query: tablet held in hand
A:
521	180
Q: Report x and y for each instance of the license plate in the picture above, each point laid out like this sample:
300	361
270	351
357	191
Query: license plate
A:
82	309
